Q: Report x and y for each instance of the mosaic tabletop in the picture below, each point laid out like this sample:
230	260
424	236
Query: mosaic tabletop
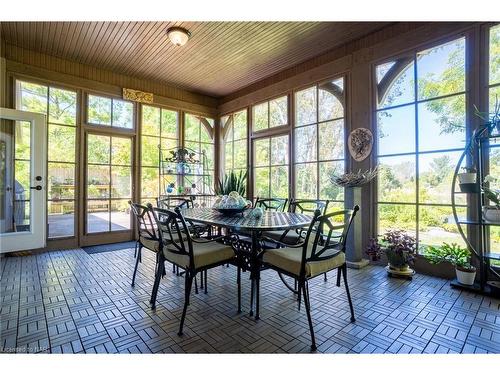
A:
270	220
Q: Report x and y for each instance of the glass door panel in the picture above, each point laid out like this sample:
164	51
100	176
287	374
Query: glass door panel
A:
109	183
22	180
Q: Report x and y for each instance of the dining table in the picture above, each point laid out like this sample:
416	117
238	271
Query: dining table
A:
246	231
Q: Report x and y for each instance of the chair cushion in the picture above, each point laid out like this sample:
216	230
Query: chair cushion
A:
289	259
205	254
291	237
149	243
153	244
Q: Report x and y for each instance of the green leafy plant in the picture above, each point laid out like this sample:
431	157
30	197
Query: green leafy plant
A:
453	253
398	246
233	182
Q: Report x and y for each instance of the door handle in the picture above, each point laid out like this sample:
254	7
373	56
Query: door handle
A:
38	187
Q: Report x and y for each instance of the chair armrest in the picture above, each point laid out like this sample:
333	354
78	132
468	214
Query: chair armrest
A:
265	238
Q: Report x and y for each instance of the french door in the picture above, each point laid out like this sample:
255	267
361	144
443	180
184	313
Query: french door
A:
23	160
108	177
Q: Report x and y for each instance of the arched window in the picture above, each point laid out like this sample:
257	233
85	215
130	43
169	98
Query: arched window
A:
199	136
421	124
234	140
319	141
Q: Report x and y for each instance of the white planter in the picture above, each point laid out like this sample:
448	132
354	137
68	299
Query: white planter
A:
467	178
466	278
491	213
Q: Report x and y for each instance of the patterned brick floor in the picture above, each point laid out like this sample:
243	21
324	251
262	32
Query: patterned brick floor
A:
72	302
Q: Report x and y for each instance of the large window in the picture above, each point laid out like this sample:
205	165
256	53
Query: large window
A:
110	112
234	135
60	108
271	167
159	127
109	183
319	141
270	114
494	97
271	154
199	136
421	112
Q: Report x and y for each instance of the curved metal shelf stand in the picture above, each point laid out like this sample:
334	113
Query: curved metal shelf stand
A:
474	147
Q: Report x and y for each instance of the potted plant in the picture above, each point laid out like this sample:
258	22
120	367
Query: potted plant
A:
467	176
400	249
456	255
491	212
467	180
233	182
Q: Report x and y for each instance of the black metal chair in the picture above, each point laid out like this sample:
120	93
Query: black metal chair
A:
303	206
184	202
192	255
271	204
197	230
147	236
172	202
323	250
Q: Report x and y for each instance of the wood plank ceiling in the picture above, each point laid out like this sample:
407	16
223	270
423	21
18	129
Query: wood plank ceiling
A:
220	57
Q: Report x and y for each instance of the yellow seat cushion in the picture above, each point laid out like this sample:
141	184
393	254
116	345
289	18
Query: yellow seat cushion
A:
205	254
289	259
150	244
153	244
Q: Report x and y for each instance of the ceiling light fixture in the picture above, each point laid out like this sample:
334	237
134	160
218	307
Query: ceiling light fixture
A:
178	35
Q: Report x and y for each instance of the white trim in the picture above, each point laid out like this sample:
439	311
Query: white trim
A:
37	236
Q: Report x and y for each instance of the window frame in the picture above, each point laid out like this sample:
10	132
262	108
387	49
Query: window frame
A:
269	165
140	135
469	124
17	78
213	171
110	127
110	198
224	129
486	86
269	129
316	124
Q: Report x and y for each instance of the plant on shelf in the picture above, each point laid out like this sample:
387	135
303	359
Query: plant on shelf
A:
467	180
456	255
467	176
491	212
232	182
399	248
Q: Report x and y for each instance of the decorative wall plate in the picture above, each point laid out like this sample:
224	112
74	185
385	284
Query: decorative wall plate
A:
360	143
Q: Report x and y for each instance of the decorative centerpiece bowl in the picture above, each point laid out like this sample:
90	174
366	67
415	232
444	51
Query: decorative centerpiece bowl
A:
231	211
231	204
